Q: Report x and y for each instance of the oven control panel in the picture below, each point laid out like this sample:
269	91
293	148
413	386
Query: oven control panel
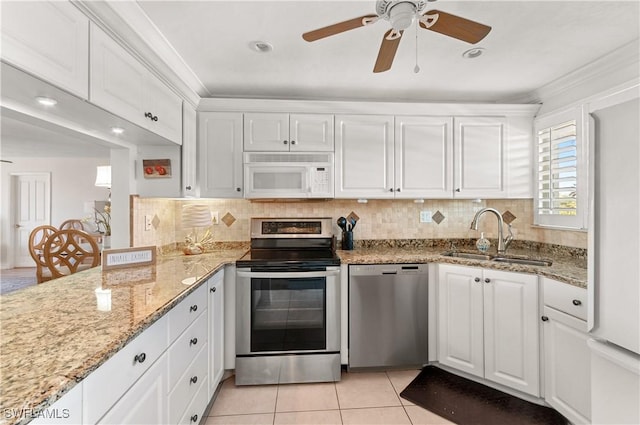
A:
291	227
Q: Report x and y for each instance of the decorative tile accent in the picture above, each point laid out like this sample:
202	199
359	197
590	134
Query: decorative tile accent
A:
508	217
354	216
155	222
438	217
228	219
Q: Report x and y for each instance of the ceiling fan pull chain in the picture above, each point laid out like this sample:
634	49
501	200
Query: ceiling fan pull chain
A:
416	69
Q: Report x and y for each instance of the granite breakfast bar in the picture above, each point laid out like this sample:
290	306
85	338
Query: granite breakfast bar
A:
55	334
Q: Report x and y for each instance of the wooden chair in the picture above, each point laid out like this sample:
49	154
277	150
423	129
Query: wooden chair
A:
73	223
69	251
37	238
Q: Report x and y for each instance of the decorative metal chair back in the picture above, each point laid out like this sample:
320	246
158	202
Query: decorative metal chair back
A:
37	238
69	251
72	224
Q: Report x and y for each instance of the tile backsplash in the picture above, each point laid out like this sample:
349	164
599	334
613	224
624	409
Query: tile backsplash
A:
378	219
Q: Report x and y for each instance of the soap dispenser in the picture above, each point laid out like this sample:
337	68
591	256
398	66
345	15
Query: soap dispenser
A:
483	244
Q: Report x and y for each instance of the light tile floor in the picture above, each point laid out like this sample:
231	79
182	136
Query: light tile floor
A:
359	398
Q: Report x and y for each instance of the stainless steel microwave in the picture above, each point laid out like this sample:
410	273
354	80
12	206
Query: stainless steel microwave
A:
288	175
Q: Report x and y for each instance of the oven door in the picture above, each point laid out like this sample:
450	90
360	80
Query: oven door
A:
287	312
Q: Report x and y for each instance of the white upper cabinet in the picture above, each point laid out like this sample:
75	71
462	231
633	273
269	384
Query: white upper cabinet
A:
423	157
283	132
220	154
364	156
480	166
123	86
189	152
49	39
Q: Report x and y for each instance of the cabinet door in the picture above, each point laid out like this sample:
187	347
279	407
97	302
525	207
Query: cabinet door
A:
479	146
567	366
364	156
423	157
118	80
511	327
266	132
220	154
166	109
145	402
460	328
49	39
189	152
311	132
216	330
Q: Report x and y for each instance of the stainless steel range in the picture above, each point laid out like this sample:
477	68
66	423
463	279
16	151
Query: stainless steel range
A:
288	303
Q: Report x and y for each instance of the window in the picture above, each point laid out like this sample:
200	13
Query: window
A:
560	193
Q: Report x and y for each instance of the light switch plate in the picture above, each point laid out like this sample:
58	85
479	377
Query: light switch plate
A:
425	216
215	218
147	222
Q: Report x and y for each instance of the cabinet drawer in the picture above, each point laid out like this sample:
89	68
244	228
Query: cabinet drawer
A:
194	412
184	350
566	298
105	385
187	386
182	315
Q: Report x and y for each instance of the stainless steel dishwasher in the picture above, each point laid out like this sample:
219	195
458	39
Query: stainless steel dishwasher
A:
388	315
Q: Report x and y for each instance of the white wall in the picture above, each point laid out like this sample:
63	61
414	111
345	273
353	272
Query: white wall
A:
72	184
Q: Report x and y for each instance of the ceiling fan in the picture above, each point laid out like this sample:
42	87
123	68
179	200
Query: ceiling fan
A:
401	14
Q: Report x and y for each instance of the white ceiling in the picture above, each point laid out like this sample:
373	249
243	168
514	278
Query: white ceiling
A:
531	44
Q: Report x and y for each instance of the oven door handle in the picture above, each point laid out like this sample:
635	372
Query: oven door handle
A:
296	274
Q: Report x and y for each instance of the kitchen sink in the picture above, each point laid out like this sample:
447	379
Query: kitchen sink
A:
498	258
468	255
525	261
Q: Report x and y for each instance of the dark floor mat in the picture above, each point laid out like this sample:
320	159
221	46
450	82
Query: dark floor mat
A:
467	402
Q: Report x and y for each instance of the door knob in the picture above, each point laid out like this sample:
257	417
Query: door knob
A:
19	226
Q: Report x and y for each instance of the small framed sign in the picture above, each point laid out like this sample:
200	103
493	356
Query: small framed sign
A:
156	168
128	257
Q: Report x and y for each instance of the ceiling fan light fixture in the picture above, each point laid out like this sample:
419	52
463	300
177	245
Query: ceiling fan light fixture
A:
401	15
261	46
473	53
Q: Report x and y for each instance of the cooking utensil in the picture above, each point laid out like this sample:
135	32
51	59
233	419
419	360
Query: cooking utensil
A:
353	222
342	222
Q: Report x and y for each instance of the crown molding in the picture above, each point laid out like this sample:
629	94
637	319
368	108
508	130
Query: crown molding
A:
127	23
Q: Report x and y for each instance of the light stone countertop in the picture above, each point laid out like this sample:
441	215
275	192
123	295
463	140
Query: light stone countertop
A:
53	335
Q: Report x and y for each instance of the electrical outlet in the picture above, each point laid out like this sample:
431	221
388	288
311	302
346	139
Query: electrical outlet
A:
215	218
425	217
147	222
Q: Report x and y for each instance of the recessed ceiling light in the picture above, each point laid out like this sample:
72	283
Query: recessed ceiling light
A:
46	101
261	46
117	130
473	53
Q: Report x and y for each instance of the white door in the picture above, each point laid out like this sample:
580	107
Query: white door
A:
460	329
311	132
266	132
511	325
32	201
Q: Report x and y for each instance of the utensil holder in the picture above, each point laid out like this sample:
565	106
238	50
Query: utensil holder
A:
347	241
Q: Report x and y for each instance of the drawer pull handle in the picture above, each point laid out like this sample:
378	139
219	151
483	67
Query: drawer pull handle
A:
577	302
193	341
545	318
194	418
140	358
194	379
193	308
213	289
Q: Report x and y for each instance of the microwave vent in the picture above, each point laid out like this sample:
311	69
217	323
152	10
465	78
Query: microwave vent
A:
291	158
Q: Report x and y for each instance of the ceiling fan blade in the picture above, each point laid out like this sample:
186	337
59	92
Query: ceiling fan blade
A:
390	43
454	26
334	29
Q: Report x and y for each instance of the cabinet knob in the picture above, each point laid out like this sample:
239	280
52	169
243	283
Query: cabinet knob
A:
194	418
188	187
238	189
140	358
545	318
193	341
477	279
193	308
284	142
391	190
148	115
458	190
577	302
398	190
213	289
193	379
487	280
155	118
293	142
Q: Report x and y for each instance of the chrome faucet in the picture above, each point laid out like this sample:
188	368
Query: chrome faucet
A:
503	244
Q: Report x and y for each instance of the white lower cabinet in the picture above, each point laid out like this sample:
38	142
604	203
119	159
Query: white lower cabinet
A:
145	402
567	361
488	325
216	330
67	410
